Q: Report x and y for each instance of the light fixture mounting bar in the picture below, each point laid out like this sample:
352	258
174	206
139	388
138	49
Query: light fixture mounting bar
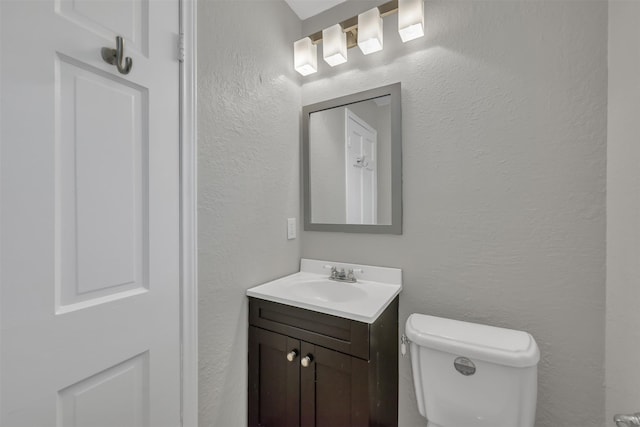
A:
350	25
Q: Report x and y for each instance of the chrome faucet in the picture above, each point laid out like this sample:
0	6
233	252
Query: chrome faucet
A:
627	420
341	275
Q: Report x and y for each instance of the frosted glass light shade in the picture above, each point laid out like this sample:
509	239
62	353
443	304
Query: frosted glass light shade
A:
305	56
334	45
410	19
370	31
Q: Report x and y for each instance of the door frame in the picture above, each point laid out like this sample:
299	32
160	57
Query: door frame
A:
188	214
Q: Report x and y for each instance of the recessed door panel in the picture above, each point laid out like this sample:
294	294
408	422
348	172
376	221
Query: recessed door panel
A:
108	18
102	185
117	396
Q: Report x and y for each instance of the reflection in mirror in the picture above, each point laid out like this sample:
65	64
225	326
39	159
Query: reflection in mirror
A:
350	171
352	163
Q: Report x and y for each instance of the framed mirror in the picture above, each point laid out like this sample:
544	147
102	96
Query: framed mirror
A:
352	163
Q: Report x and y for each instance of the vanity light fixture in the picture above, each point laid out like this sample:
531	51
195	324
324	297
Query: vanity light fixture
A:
334	45
305	56
370	31
410	19
364	30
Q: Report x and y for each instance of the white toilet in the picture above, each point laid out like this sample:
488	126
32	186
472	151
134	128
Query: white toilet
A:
470	375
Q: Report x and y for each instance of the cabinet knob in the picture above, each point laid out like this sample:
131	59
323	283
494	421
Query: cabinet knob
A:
291	356
306	361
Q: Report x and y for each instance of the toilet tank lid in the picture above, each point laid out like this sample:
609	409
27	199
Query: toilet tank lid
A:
506	347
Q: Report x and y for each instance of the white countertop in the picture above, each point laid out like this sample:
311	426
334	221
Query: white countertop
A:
311	289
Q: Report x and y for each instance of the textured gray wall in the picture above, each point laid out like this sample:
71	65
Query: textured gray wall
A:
504	125
248	160
623	209
504	120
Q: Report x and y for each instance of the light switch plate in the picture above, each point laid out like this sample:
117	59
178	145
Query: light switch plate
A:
291	228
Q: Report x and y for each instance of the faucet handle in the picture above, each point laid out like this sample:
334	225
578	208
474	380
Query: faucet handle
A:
351	274
334	270
627	420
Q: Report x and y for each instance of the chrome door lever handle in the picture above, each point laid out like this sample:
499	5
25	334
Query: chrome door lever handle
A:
630	420
116	56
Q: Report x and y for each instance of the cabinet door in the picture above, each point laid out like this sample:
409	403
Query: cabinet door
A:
333	389
274	394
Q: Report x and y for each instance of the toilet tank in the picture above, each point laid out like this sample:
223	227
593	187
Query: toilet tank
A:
472	375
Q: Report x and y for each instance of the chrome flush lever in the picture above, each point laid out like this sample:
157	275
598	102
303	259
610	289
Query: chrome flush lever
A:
627	420
115	56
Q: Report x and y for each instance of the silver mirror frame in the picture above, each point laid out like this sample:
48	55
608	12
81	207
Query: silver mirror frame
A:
396	161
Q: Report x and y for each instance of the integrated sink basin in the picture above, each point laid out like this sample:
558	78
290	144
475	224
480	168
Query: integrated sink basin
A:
311	289
325	290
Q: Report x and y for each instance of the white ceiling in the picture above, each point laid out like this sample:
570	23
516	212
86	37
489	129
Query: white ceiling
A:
308	8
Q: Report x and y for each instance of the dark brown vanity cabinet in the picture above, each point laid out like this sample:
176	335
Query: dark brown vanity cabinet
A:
309	369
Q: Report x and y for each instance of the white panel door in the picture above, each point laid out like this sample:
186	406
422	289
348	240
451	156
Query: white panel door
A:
361	170
89	215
